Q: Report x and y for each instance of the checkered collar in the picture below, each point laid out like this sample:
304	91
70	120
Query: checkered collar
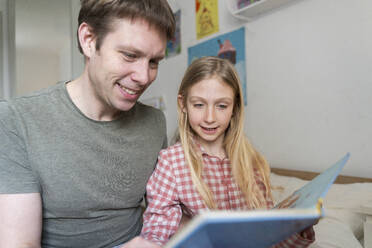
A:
202	151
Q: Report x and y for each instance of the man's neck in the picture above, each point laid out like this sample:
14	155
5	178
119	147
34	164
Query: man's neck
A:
83	96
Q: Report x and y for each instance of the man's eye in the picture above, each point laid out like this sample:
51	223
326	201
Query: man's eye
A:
154	64
198	105
129	56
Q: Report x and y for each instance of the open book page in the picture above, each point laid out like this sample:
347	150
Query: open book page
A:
311	194
259	228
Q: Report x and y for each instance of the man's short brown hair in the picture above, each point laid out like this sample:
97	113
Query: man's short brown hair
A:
101	14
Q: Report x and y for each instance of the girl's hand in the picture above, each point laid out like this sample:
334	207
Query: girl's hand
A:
288	202
184	220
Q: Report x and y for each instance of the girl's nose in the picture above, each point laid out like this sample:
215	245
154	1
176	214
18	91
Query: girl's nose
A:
210	115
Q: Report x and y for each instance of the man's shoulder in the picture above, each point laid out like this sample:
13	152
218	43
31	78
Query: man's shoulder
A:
147	108
4	109
150	112
39	94
17	110
35	100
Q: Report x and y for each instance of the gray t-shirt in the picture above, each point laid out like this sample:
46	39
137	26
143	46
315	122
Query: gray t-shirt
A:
91	175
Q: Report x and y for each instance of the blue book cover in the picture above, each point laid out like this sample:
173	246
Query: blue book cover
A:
259	228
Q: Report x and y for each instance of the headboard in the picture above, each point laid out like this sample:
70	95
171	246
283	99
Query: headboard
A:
307	175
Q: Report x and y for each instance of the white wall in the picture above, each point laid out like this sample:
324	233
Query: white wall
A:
43	44
1	56
309	82
77	57
8	56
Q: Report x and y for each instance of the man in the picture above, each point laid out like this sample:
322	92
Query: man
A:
75	158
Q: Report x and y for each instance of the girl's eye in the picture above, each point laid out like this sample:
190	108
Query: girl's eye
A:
222	106
198	105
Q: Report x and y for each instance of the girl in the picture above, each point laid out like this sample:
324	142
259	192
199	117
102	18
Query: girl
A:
213	166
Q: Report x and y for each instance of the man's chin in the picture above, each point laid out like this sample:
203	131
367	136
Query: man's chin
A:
126	106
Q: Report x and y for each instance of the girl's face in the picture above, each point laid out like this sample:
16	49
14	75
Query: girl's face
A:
209	107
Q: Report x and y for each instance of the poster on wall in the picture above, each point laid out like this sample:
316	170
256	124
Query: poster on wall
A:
174	45
230	46
206	17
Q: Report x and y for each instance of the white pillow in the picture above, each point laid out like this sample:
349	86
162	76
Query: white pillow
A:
333	233
353	220
283	186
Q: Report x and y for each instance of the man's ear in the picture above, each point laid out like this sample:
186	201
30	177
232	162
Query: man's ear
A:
180	103
87	39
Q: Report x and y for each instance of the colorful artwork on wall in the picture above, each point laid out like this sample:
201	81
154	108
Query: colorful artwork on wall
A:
230	46
174	45
206	17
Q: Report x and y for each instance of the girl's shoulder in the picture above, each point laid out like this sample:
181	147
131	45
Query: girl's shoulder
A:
173	152
173	149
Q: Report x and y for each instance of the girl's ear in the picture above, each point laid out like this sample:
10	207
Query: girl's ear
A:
87	39
180	103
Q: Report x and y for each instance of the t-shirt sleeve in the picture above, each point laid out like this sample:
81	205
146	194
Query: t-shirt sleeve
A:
164	130
165	142
16	175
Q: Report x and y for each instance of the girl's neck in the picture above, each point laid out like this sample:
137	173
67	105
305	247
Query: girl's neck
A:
214	148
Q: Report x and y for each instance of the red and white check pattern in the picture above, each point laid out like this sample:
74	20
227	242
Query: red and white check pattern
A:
170	192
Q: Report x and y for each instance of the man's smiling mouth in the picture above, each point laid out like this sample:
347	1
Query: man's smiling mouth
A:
129	91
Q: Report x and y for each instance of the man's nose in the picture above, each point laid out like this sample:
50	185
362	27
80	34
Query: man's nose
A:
141	72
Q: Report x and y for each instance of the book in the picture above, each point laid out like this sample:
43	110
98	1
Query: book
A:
260	228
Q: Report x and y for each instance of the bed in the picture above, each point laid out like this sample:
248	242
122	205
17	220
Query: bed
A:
348	208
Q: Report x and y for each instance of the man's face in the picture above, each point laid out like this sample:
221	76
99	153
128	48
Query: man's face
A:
125	65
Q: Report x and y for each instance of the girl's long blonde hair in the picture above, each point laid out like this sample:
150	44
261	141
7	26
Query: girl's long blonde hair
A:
243	157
